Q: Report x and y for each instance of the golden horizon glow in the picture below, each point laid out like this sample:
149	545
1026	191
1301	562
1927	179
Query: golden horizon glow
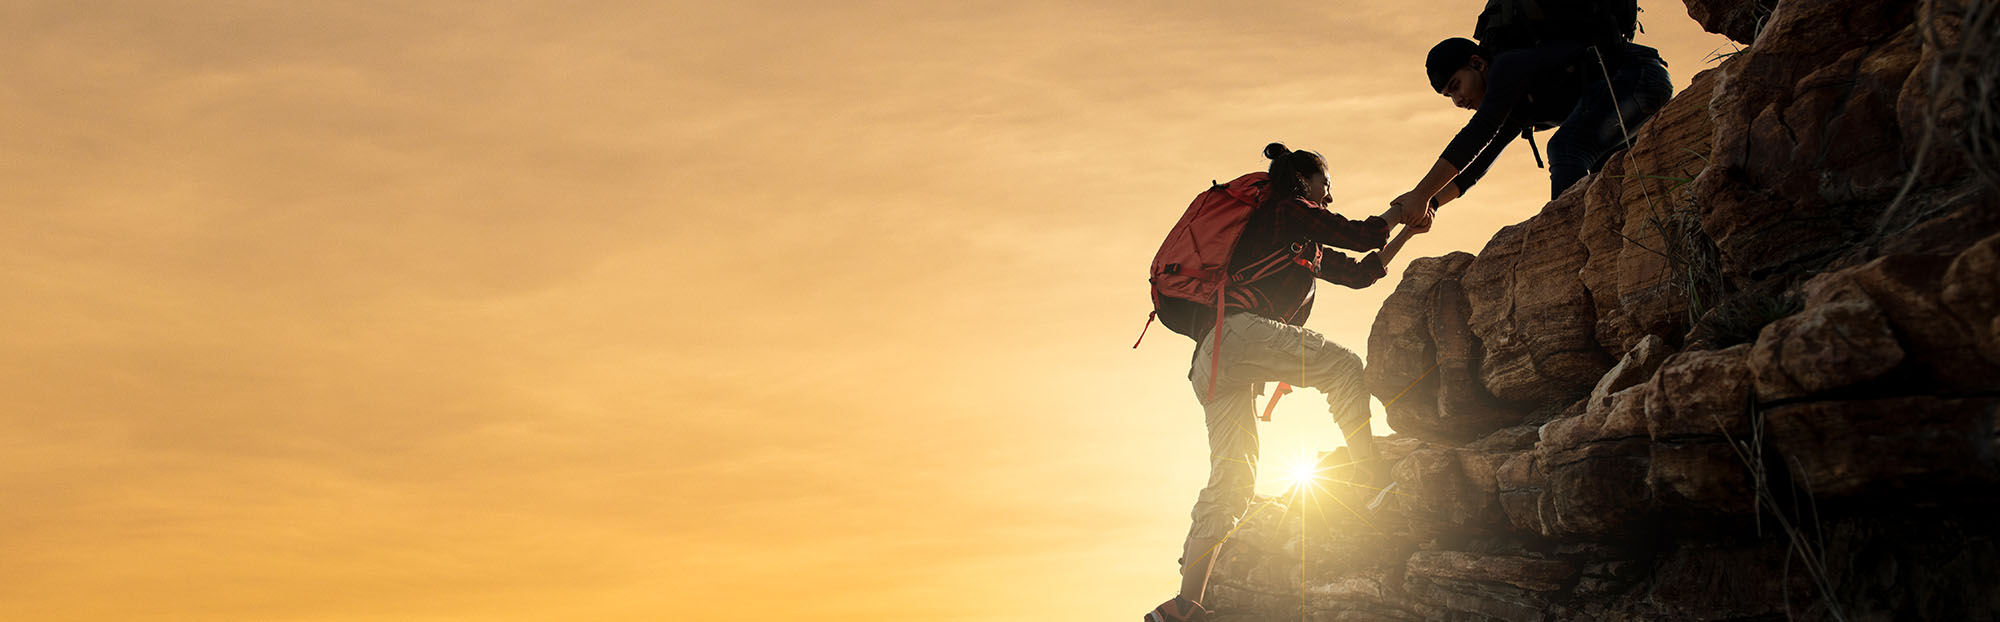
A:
626	310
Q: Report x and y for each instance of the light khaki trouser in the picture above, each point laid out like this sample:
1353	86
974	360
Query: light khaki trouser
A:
1255	350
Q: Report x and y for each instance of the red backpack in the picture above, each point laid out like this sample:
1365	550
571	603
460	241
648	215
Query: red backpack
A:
1193	262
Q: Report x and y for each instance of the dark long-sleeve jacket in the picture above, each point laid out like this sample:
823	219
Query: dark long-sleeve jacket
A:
1286	293
1527	87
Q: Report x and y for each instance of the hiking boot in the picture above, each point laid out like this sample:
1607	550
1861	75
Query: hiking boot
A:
1379	484
1381	498
1178	610
1376	474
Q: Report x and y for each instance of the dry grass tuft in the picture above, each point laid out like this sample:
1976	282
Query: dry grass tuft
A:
1964	76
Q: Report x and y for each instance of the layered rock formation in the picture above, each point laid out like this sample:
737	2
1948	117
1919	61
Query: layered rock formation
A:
1751	370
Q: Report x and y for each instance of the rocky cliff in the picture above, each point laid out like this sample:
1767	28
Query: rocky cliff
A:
1749	371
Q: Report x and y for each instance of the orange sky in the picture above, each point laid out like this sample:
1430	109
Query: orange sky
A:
635	311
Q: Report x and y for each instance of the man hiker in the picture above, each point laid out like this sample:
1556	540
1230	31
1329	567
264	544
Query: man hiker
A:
1264	294
1572	67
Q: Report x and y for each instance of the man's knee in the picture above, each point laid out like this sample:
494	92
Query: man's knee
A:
1573	151
1580	142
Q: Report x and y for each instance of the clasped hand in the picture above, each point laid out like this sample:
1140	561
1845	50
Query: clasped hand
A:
1412	210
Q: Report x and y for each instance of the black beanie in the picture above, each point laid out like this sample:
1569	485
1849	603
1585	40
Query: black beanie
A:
1446	58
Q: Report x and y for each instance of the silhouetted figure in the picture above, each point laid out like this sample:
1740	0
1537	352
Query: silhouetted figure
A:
1264	294
1574	70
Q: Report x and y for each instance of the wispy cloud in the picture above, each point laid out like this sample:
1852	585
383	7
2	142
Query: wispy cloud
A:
615	310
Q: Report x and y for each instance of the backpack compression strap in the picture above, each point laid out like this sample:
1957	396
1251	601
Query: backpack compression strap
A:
1270	264
1215	336
1142	329
1529	133
1283	388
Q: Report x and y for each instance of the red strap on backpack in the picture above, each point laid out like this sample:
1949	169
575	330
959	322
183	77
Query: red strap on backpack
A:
1142	329
1279	392
1215	346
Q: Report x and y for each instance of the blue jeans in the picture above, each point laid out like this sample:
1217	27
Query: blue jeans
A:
1592	132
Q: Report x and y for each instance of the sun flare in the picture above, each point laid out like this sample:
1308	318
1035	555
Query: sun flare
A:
1304	468
1303	472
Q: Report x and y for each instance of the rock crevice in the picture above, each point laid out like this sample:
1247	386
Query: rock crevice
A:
1733	375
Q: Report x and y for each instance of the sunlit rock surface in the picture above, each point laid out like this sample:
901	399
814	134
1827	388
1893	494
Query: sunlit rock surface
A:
1750	371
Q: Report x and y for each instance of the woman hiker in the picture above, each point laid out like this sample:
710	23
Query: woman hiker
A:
1263	340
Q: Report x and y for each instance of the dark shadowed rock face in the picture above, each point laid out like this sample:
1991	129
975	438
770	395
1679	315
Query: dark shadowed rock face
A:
1971	292
1531	312
1428	377
1827	346
1886	447
1598	424
1632	214
1736	19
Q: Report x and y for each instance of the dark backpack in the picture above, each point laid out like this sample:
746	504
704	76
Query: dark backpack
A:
1514	24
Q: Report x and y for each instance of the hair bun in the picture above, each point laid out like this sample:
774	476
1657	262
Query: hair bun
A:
1276	150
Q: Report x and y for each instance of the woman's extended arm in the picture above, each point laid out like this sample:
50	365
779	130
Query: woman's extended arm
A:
1332	229
1337	268
1388	253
